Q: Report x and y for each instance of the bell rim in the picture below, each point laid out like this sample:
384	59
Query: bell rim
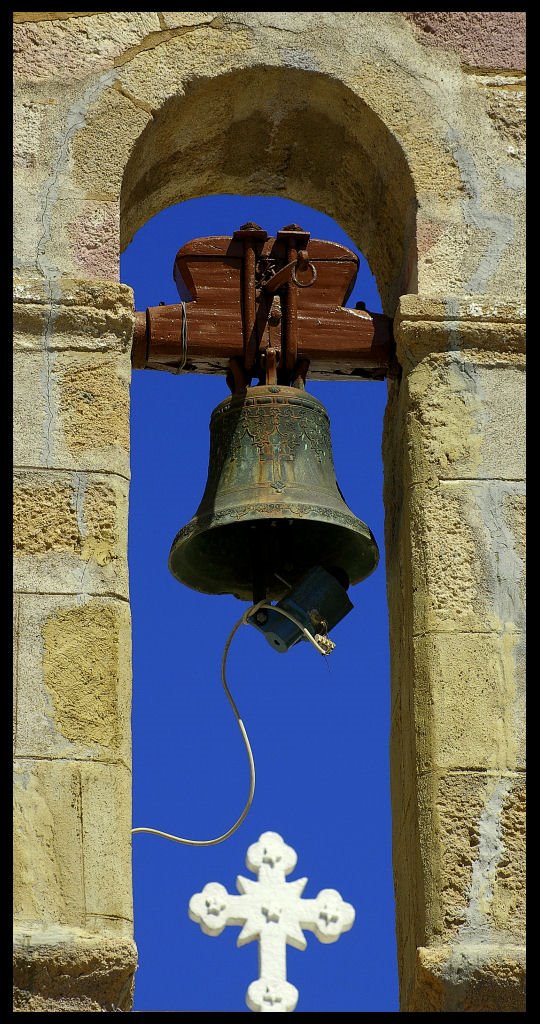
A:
319	514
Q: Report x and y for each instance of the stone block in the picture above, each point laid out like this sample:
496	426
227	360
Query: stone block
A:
74	679
456	529
465	419
481	39
471	834
93	410
466	701
506	107
70	533
68	49
67	970
92	236
31	407
509	885
27	224
492	325
71	314
72	411
106	799
48	883
72	856
104	142
38	116
486	978
62	231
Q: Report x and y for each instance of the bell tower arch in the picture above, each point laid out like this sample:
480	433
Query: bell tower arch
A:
412	140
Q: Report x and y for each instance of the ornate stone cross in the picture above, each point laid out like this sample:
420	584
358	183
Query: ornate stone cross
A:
272	911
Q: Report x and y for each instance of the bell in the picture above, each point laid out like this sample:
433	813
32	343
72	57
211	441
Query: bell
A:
271	509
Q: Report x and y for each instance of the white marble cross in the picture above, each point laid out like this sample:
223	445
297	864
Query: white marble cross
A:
272	911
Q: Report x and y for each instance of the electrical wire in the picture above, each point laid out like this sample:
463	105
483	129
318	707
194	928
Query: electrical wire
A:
241	622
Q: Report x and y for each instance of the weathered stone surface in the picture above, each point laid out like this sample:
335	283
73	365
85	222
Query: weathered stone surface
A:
177	19
70	532
111	126
68	970
72	314
509	886
51	502
27	228
72	868
72	411
466	419
84	694
94	240
459	861
22	16
94	403
71	49
483	39
506	106
48	877
428	324
472	836
73	694
31	414
458	677
106	798
471	979
457	525
35	117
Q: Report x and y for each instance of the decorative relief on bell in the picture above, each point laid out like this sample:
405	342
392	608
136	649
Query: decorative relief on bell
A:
272	507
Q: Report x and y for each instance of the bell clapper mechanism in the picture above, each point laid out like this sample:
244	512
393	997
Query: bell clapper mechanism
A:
272	525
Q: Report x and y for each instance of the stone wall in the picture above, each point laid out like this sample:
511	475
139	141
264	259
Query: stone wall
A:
407	128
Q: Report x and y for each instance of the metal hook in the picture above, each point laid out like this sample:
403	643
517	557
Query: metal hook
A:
304	284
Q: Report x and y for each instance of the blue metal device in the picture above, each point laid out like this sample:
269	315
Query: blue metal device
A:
319	601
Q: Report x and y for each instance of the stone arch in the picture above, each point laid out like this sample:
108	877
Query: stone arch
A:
281	131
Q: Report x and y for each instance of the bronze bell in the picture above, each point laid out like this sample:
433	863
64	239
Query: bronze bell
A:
272	508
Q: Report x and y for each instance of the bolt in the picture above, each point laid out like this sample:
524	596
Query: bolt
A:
261	618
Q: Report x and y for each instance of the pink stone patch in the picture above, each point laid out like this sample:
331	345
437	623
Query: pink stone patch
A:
94	240
483	39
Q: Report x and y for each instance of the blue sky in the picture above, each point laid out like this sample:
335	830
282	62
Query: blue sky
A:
319	727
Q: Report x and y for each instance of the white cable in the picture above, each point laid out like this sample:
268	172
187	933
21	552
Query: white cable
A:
275	608
241	622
